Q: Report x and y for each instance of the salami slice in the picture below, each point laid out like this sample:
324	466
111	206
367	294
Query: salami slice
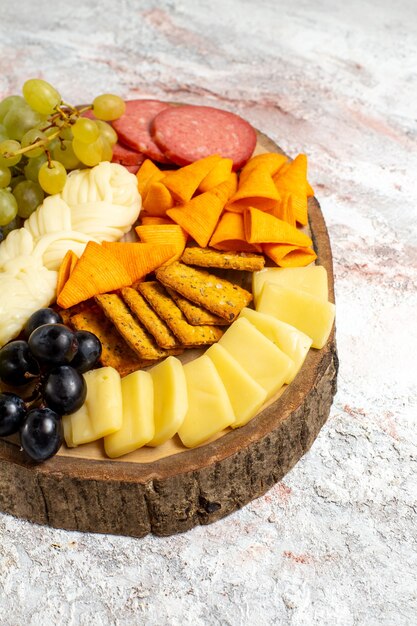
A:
133	128
188	133
126	156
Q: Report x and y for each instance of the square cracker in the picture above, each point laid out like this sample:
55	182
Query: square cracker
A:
195	314
115	351
213	293
129	327
150	320
166	308
207	257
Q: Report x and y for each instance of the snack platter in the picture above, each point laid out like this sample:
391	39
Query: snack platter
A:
169	488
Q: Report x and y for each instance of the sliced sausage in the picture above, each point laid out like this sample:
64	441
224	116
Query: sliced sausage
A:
188	133
126	156
133	128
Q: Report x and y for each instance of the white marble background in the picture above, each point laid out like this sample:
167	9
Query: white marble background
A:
335	542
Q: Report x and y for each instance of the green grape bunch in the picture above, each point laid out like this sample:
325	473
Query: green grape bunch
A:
41	139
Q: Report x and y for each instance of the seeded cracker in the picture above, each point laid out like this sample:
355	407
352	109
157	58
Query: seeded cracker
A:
132	332
147	316
207	257
213	293
195	314
165	307
115	351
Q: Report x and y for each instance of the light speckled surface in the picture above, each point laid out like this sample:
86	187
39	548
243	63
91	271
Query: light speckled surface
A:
335	542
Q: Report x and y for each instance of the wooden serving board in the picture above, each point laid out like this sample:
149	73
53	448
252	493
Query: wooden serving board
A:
170	489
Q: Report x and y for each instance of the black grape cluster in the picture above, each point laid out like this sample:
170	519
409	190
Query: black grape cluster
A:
50	358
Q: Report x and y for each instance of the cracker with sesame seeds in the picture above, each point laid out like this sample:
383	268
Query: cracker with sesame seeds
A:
208	257
141	342
166	308
115	351
149	319
211	292
195	314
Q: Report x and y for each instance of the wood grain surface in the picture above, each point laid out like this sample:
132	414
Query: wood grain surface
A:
190	487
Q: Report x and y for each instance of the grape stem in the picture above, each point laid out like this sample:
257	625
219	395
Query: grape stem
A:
36	144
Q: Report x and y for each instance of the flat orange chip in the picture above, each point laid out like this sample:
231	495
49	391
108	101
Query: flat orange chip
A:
146	174
68	263
230	235
219	174
183	183
261	227
140	259
158	199
97	271
289	256
256	189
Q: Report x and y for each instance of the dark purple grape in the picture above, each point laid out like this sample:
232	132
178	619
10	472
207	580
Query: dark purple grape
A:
89	351
39	318
41	434
17	364
12	413
53	344
65	390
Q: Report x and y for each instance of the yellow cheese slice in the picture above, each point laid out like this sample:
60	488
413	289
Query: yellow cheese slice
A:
261	359
138	423
312	315
289	339
246	395
101	413
66	423
209	407
312	279
170	399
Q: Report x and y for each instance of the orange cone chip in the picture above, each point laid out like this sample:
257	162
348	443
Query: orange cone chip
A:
147	173
230	234
158	199
219	174
289	256
183	183
261	227
257	189
160	234
272	161
97	271
68	263
199	216
292	180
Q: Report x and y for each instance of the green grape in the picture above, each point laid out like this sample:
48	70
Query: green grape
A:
66	133
3	133
88	153
108	107
33	166
107	131
8	103
41	96
5	176
15	223
8	207
19	120
52	177
16	180
9	146
64	153
85	130
29	196
30	137
107	150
